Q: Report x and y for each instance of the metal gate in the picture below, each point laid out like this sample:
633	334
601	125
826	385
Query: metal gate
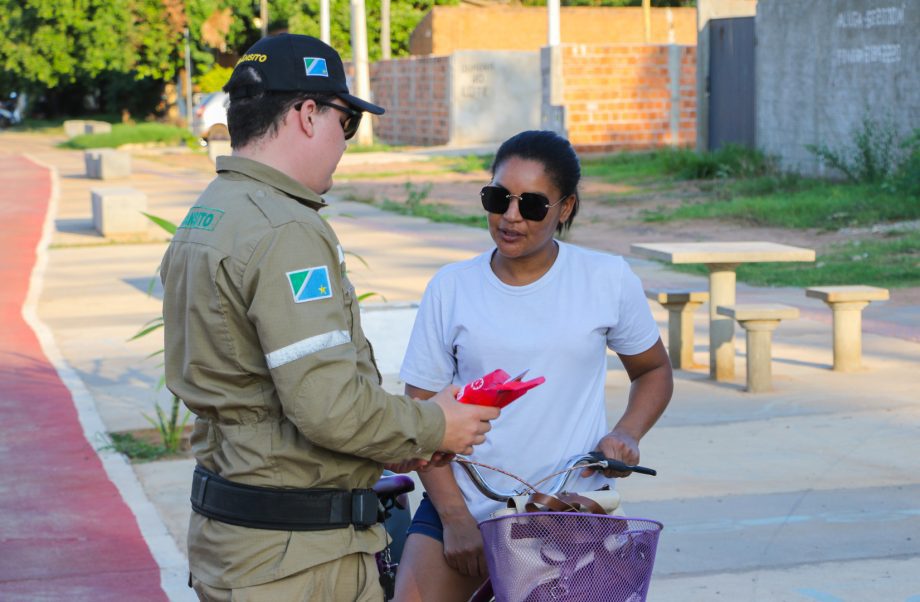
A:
731	82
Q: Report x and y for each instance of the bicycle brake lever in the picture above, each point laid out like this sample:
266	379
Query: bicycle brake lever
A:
610	463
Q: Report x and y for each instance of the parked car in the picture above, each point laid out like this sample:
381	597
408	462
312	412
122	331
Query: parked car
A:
210	118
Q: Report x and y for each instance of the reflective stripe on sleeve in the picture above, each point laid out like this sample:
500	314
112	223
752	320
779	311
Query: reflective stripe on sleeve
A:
303	348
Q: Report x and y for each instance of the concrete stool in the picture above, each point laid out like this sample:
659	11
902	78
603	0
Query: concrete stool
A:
217	148
759	322
680	305
106	164
117	211
847	303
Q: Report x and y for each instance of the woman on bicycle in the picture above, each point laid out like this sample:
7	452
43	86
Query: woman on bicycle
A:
533	302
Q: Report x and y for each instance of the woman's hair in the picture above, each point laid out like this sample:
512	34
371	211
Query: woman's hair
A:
254	112
556	155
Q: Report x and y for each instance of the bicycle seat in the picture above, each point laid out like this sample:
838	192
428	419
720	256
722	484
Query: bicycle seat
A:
393	485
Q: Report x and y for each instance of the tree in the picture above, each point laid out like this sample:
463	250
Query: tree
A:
50	42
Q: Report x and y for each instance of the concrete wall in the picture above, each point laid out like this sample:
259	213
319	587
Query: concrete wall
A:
608	98
415	92
446	29
467	98
707	10
821	67
494	95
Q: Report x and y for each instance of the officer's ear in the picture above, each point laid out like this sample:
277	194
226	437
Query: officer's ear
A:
306	113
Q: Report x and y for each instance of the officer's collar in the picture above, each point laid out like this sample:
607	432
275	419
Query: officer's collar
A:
271	176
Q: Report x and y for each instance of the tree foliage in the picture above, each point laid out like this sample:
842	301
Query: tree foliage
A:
111	55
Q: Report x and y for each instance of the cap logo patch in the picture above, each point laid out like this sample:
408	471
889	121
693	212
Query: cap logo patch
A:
316	67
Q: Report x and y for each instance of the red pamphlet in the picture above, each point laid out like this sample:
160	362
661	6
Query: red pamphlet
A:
496	389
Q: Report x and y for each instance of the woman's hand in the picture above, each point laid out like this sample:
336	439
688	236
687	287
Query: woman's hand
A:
463	545
616	446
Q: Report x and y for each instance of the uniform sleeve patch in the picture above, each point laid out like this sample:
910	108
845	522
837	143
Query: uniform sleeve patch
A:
310	284
201	218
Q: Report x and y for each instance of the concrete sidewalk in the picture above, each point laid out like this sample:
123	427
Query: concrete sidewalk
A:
811	492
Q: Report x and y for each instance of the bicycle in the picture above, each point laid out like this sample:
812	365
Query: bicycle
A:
556	548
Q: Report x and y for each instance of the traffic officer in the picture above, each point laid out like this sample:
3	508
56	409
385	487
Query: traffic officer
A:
264	344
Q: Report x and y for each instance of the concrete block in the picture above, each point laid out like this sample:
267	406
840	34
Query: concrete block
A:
217	148
759	322
97	127
117	211
107	164
681	304
74	127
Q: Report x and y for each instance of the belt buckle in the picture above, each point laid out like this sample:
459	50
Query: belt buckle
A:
364	504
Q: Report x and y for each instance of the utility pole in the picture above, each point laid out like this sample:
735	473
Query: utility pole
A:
647	17
189	110
552	7
365	135
324	34
385	29
263	16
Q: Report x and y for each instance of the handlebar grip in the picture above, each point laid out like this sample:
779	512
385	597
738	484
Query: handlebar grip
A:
622	466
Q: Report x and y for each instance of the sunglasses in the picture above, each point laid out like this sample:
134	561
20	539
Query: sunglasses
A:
352	121
532	205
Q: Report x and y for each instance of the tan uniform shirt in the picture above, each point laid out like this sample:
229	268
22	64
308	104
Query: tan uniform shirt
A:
264	345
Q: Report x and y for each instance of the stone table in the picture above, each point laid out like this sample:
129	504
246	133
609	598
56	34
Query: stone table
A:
722	259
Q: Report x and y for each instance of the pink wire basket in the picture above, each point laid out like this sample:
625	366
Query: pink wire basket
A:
571	557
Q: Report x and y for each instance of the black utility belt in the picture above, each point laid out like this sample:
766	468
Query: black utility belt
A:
282	509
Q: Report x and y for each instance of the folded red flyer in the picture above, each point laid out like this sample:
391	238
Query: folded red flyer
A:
496	389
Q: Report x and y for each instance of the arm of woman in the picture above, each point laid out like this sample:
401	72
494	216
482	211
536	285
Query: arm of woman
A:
649	395
462	540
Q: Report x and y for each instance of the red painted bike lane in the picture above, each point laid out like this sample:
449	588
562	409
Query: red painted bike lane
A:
65	532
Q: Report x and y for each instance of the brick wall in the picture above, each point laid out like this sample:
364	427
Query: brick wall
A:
628	97
416	94
446	29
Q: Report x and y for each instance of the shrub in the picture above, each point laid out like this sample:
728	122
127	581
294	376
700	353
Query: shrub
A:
730	161
906	179
871	156
214	79
131	134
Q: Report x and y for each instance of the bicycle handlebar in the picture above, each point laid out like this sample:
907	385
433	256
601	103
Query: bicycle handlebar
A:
559	482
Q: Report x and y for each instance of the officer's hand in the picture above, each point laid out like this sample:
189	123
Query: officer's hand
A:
465	425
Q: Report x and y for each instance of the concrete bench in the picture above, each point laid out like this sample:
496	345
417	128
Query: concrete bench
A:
847	303
759	321
78	127
117	211
97	127
74	127
680	305
107	164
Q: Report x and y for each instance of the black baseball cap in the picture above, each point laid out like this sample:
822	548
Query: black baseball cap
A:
298	63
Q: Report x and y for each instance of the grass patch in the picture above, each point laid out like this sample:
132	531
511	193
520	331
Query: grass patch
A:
136	449
416	206
814	204
627	167
142	133
468	163
436	213
890	262
376	147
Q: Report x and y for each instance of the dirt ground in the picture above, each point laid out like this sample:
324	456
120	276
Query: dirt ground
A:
601	223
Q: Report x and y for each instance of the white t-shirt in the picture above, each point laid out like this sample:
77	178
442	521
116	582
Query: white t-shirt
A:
470	323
